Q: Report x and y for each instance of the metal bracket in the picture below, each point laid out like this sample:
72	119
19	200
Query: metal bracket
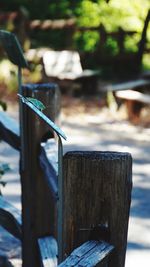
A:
98	232
13	49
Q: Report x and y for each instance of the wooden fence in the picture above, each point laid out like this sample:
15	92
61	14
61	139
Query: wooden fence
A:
122	63
96	191
77	203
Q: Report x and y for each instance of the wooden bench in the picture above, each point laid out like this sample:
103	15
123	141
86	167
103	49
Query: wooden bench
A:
134	100
130	85
134	96
65	68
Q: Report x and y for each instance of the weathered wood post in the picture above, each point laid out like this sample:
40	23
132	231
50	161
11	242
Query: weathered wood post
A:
97	190
38	208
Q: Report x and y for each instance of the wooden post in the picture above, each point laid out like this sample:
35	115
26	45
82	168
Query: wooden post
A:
97	190
38	212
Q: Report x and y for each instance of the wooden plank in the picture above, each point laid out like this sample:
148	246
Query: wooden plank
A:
50	173
9	130
127	85
78	253
89	254
10	218
97	255
49	251
65	64
97	190
134	95
84	248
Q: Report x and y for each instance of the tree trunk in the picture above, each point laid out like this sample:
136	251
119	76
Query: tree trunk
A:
142	42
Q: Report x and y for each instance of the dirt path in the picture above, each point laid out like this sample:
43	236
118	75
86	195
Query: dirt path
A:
104	133
99	131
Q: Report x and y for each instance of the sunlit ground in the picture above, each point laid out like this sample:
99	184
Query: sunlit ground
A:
103	130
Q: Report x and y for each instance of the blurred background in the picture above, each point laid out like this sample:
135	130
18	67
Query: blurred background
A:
92	49
111	37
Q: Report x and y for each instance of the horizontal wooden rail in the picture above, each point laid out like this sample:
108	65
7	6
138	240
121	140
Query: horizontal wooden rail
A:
139	83
49	172
48	250
88	254
9	130
10	218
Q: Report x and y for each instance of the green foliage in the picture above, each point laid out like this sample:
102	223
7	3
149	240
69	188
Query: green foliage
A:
8	74
3	105
38	9
113	14
129	15
59	9
131	43
3	169
111	47
88	13
146	62
86	41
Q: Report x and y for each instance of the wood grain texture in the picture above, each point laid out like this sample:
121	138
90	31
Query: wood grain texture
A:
88	254
49	251
38	208
97	190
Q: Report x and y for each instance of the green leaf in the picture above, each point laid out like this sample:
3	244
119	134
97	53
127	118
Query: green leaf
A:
4	168
3	105
38	104
3	183
52	125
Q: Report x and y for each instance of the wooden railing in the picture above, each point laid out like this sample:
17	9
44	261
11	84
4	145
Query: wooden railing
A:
96	194
77	204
